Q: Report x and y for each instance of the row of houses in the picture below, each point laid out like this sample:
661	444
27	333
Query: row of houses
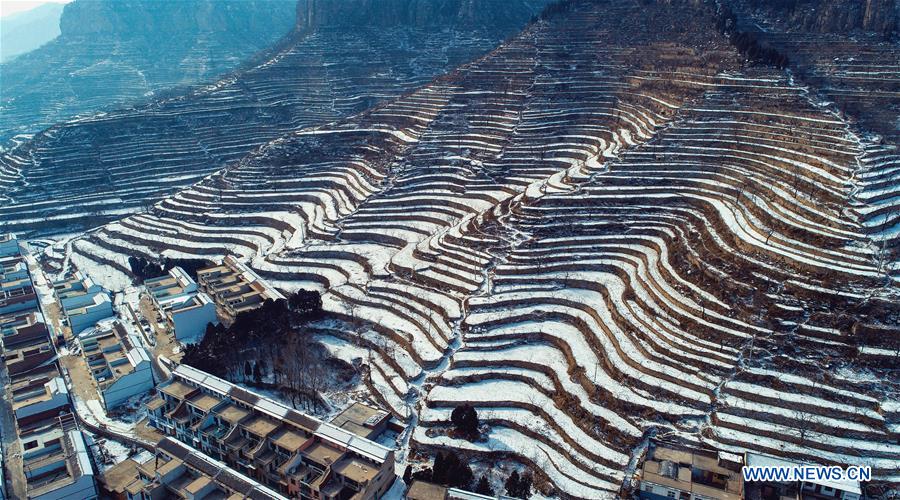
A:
188	306
235	288
294	454
53	461
176	470
17	293
674	470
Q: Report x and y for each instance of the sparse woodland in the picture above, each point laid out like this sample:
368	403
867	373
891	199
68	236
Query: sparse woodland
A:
271	347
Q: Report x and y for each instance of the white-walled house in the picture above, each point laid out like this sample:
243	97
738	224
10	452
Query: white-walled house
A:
187	310
88	315
120	366
58	466
39	401
83	301
188	316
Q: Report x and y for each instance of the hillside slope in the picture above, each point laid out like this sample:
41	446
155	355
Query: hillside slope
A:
84	172
608	228
114	53
848	54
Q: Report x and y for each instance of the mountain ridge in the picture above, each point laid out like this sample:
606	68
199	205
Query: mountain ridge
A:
26	31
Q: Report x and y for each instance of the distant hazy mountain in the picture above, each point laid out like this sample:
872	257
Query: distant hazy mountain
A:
26	31
113	53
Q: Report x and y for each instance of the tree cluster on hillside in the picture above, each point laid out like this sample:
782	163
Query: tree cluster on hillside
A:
449	470
271	344
483	487
747	43
519	486
465	419
453	471
756	52
143	269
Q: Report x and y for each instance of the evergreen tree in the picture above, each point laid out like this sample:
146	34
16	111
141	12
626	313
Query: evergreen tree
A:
439	469
484	487
465	419
512	484
525	485
257	372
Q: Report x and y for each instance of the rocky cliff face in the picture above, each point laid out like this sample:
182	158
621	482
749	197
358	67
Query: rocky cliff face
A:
419	13
877	17
113	53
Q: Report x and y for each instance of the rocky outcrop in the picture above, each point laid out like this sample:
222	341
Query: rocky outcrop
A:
878	17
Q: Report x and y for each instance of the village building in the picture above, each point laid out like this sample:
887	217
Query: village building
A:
363	420
186	310
178	471
686	473
57	465
39	400
16	291
22	329
235	288
83	302
282	448
9	245
120	366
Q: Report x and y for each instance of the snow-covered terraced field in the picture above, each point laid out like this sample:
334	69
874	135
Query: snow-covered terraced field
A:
859	76
595	234
90	170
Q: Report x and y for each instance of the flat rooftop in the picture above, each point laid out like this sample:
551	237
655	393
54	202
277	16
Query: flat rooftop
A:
420	490
261	426
204	401
177	389
232	413
360	419
118	477
322	453
355	469
289	439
